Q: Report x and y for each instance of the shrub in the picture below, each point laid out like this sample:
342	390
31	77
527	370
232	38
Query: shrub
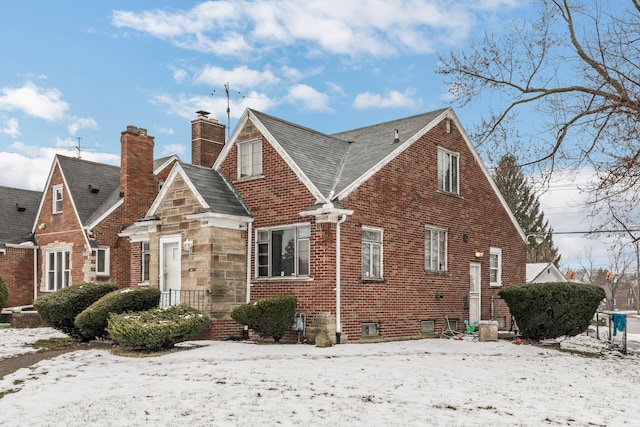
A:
551	310
4	293
59	309
269	317
93	320
158	328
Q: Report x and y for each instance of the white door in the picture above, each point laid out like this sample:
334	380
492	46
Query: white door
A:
170	270
474	292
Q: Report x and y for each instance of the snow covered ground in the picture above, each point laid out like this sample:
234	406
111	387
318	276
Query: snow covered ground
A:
431	382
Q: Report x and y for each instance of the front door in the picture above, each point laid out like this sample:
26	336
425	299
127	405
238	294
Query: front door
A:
474	292
170	270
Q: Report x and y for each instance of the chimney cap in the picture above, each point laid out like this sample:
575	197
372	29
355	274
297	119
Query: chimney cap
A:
202	113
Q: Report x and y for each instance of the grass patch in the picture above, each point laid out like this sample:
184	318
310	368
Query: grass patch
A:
55	344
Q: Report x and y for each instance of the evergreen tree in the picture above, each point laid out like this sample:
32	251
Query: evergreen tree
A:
525	205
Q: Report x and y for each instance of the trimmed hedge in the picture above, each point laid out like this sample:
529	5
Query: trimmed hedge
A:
93	320
156	329
269	317
551	310
59	309
4	293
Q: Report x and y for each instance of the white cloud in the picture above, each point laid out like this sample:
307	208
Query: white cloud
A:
28	166
242	77
34	101
185	106
392	99
369	27
308	98
179	75
78	123
168	149
166	131
12	127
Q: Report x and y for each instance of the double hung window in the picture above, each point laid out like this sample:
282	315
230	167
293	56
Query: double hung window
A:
495	267
58	268
371	253
448	171
56	194
250	158
435	252
102	261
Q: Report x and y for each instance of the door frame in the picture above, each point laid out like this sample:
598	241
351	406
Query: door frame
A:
164	240
473	298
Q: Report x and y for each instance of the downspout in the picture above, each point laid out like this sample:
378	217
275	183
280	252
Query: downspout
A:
35	274
338	322
245	331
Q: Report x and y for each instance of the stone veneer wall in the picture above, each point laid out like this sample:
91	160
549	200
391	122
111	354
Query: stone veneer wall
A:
216	265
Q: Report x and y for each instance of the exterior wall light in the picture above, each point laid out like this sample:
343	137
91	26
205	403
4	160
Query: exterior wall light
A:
188	245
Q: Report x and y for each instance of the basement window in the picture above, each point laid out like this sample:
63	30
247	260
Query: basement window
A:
371	329
427	327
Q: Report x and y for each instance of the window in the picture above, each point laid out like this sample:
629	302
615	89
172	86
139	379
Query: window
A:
283	251
146	256
102	262
427	326
57	199
435	252
371	329
250	158
495	267
58	264
448	171
371	253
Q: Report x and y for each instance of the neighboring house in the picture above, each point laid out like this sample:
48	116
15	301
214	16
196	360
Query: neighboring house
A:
17	244
378	231
86	204
544	272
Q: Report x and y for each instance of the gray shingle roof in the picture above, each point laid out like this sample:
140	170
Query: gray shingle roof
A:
333	162
15	225
215	190
79	174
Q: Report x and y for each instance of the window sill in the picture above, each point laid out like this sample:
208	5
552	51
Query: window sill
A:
249	178
282	279
495	285
380	280
446	193
437	273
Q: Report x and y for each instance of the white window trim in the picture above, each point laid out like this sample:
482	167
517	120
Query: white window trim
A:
457	155
107	264
55	190
252	173
381	231
142	269
47	268
498	252
269	261
427	266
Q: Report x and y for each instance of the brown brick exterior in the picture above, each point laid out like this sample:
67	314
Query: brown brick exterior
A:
136	173
207	141
401	199
16	270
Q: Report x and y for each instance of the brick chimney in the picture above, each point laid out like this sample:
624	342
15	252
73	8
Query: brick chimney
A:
137	185
207	140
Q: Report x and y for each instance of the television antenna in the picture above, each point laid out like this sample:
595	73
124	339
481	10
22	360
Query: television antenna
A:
78	146
228	93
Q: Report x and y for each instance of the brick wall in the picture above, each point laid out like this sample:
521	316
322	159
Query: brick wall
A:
16	270
401	199
207	141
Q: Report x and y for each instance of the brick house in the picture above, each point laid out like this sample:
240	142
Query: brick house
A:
86	204
378	231
18	248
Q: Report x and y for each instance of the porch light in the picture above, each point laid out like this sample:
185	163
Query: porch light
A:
188	245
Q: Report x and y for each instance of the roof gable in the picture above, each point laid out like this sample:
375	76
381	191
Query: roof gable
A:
18	210
208	186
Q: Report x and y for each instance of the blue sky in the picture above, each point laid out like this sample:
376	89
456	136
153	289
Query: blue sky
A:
71	72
